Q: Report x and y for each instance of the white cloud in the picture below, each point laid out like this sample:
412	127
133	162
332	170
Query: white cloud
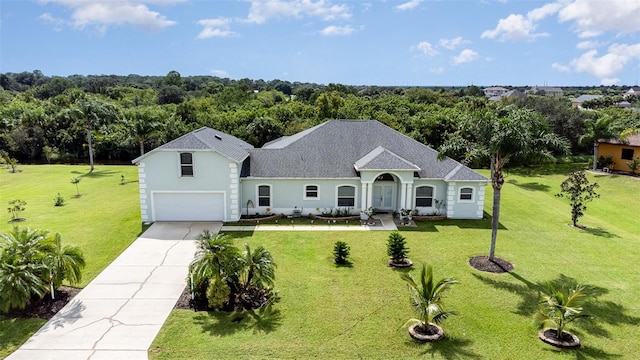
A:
425	48
465	56
408	5
218	27
219	73
542	12
451	44
337	30
57	23
104	13
588	44
261	11
594	17
605	67
514	27
560	67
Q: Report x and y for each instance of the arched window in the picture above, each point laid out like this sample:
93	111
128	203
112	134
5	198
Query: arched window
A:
346	195
424	196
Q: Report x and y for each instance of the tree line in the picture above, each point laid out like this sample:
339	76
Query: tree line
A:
117	118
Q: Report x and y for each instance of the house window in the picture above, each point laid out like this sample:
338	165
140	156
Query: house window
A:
627	154
264	195
186	164
424	196
466	194
346	195
311	192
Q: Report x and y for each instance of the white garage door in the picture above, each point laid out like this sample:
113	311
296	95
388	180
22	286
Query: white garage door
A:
188	206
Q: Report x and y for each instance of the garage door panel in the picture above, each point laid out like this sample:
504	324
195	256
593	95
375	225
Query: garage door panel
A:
188	206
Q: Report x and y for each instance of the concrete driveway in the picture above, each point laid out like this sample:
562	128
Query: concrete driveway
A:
121	311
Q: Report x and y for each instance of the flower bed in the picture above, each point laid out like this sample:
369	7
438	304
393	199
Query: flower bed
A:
261	218
429	217
334	218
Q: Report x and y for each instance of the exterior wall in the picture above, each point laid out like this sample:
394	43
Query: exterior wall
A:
213	172
459	209
288	194
615	151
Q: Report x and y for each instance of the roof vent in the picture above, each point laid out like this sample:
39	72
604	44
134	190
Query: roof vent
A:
218	137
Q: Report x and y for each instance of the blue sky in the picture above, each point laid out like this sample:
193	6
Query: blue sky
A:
395	43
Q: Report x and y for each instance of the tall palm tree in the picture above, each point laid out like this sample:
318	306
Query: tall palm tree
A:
602	127
92	112
259	267
427	296
141	124
496	136
22	268
64	262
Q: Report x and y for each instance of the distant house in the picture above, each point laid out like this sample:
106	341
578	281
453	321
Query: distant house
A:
494	91
634	90
207	175
512	94
545	91
577	102
621	151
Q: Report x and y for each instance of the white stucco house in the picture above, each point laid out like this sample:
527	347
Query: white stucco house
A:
208	175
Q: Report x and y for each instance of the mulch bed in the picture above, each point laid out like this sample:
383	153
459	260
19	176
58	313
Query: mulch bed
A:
254	298
46	308
497	266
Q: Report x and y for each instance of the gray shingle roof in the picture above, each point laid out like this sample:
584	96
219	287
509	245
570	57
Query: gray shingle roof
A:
207	139
583	98
381	158
331	150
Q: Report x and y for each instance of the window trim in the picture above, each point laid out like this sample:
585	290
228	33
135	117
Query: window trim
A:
181	165
258	196
433	197
623	151
473	194
355	195
304	192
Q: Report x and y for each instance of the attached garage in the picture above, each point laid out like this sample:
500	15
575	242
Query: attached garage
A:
188	206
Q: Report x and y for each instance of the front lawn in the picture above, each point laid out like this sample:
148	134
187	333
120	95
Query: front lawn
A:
102	222
358	312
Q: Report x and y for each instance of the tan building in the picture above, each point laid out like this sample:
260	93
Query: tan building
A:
620	151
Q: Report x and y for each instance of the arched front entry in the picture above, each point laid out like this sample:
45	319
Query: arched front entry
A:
385	192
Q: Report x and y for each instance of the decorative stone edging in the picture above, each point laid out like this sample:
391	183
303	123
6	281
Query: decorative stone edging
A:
553	340
406	263
424	337
429	217
266	218
330	218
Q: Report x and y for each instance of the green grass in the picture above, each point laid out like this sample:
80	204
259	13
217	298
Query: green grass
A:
102	222
358	312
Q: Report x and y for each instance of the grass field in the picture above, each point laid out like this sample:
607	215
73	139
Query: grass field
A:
358	312
102	222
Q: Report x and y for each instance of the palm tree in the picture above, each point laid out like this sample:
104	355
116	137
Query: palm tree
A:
92	112
22	269
496	136
560	307
64	263
259	267
142	124
427	297
602	127
216	257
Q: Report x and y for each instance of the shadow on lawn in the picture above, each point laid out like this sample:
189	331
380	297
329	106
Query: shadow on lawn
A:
600	232
586	352
602	311
532	186
95	173
221	323
447	348
431	226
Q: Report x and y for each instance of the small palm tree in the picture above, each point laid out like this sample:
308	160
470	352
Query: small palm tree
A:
64	263
259	267
560	307
76	181
427	298
216	256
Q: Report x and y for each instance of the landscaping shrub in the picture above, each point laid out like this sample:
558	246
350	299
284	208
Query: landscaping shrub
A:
341	252
397	247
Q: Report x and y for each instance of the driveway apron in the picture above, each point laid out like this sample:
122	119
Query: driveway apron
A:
121	311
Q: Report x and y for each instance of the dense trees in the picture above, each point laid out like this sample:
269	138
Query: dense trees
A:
55	118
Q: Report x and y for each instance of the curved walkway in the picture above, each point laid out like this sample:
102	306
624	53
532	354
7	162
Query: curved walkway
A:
121	311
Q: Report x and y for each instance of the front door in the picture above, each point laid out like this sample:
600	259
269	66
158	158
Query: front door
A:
383	197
